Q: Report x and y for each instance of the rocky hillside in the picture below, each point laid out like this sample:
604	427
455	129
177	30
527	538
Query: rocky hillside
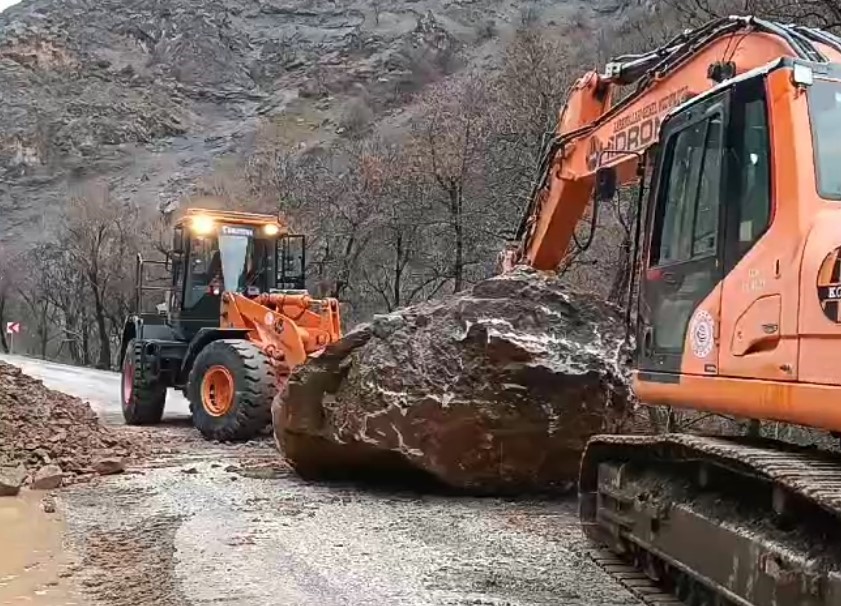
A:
149	94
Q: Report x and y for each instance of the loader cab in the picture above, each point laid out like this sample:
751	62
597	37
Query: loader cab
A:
215	252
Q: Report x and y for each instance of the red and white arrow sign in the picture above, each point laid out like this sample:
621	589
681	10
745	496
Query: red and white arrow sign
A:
12	328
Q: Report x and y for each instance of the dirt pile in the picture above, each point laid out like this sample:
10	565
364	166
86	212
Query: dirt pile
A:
41	429
493	390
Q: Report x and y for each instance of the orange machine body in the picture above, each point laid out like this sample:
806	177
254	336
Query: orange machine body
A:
288	328
760	340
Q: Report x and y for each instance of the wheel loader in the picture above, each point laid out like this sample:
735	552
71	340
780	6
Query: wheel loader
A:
235	322
731	134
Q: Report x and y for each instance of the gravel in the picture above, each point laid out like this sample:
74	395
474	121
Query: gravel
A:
51	433
240	528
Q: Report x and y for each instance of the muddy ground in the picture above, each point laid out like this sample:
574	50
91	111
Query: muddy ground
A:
231	525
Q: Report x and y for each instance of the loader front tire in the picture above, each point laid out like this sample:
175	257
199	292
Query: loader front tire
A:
143	398
230	389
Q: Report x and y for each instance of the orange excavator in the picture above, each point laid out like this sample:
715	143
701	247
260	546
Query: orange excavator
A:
732	134
236	321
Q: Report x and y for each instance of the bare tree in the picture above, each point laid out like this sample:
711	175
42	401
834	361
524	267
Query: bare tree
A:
446	147
821	13
32	290
98	234
10	275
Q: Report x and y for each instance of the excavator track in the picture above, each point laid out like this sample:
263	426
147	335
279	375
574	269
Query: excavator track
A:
637	583
717	521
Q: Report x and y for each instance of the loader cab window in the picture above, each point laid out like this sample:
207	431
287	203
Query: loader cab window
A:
236	249
232	260
204	268
259	268
291	262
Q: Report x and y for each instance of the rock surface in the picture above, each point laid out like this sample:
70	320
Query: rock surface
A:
11	479
493	390
48	477
148	96
40	427
107	466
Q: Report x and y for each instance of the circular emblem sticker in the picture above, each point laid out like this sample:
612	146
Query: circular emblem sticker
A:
701	334
829	285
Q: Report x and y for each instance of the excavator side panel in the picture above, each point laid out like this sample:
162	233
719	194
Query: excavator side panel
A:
820	280
763	233
786	401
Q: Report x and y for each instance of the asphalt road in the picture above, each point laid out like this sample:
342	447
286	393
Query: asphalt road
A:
231	525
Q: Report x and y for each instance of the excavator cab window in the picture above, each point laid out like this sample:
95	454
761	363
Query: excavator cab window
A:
683	253
825	114
689	219
748	161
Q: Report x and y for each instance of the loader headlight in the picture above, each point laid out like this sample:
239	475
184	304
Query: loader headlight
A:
271	229
202	225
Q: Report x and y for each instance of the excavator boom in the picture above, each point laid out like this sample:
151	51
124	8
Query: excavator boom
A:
597	129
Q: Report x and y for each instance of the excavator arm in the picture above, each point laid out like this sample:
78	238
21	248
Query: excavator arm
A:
599	128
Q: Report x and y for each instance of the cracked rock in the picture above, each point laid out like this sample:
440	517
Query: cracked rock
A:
493	390
47	478
11	479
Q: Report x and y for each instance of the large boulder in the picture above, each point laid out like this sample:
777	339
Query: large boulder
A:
492	390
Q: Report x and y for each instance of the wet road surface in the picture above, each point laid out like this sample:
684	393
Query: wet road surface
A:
32	558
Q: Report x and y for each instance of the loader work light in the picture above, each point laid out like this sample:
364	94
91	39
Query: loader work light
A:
271	229
202	225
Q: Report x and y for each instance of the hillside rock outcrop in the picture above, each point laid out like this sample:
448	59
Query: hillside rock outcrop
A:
148	96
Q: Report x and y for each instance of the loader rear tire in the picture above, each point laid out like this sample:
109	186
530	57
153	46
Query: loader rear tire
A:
143	398
230	389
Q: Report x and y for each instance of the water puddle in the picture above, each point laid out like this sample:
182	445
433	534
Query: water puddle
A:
32	558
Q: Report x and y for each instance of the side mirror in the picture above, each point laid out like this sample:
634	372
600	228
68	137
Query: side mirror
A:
178	241
605	183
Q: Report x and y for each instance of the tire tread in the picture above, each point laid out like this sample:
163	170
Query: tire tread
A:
149	396
254	396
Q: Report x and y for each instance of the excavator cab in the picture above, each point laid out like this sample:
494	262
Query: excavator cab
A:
741	215
236	321
738	223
